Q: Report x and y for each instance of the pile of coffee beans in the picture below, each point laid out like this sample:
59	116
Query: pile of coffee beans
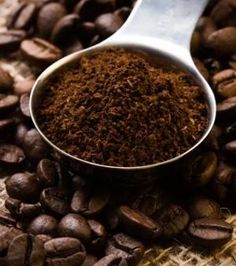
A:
55	217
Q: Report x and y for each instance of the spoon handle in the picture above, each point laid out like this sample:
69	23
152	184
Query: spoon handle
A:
168	20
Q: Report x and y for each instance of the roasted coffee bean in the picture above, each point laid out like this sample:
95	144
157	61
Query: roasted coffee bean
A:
125	247
24	105
213	65
44	238
73	46
21	209
26	250
21	130
74	225
6	125
108	23
47	173
223	41
22	16
225	83
210	232
123	12
23	186
64	28
111	260
232	62
24	86
111	219
98	236
88	202
55	201
138	224
90	260
10	40
34	146
205	27
230	149
43	224
6	81
201	207
64	251
86	31
86	10
48	16
195	42
173	220
226	110
11	155
224	13
203	70
8	103
40	52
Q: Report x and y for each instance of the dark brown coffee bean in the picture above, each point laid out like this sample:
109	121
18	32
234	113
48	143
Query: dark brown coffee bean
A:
90	260
111	219
173	220
47	173
55	201
226	110
40	52
48	16
21	130
225	83
203	70
138	224
64	28
230	148
86	9
34	146
24	86
74	225
22	16
64	251
107	24
111	260
73	46
44	238
125	247
195	42
224	13
6	125
201	207
213	65
11	155
223	41
205	27
8	103
10	40
43	224
6	81
210	232
98	236
24	105
88	202
23	186
123	12
26	250
21	209
86	31
232	62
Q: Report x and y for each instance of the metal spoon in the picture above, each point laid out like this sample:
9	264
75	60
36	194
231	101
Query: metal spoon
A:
160	28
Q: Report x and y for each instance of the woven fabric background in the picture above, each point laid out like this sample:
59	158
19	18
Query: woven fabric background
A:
174	255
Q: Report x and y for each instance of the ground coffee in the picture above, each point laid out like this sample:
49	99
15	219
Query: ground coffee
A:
116	108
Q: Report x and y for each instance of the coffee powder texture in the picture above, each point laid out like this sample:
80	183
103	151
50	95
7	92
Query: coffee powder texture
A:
116	108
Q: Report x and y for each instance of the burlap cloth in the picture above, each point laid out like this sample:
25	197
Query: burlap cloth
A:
176	253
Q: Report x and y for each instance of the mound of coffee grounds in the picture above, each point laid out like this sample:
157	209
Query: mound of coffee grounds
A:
116	108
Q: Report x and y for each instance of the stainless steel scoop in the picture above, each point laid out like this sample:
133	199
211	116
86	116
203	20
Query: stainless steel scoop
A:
162	29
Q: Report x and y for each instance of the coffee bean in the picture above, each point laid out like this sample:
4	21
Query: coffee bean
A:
74	225
43	224
23	186
6	125
64	251
226	110
48	16
44	238
88	202
108	23
8	103
125	247
24	86
111	260
21	130
123	12
34	146
26	250
225	83
210	232
213	65
73	46
86	9
65	28
21	18
6	81
86	31
47	173
232	62
195	42
111	219
138	224
205	27
224	13
230	148
40	52
201	207
10	40
203	70
223	41
11	155
98	236
21	209
90	260
24	105
173	220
